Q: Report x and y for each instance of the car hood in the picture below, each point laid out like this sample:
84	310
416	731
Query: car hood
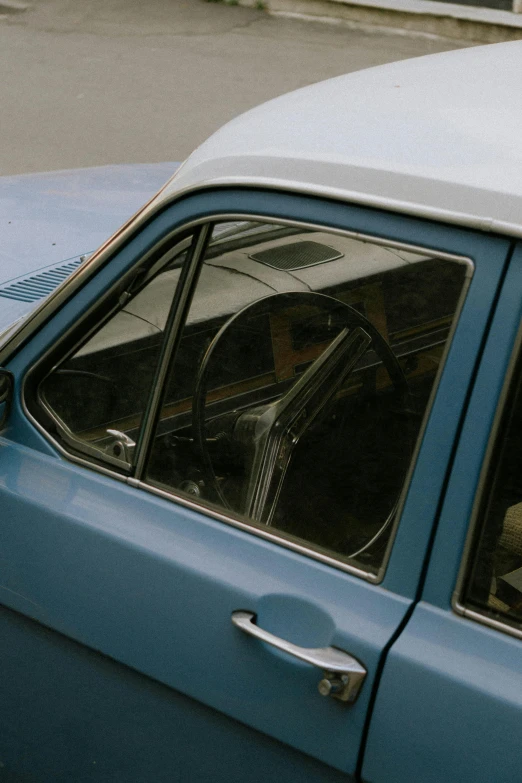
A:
48	221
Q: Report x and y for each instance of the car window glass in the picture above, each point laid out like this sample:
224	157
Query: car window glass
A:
494	580
300	382
97	396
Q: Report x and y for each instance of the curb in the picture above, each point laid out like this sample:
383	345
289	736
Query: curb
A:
425	17
12	7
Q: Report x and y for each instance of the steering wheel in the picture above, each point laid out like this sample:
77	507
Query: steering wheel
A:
268	433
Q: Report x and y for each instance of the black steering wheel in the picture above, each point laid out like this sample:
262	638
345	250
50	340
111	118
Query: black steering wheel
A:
268	433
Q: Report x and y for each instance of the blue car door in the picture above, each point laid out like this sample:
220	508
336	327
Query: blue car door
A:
218	482
449	705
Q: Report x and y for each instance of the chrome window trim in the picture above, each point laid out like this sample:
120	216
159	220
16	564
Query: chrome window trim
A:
482	619
140	450
248	527
76	443
457	599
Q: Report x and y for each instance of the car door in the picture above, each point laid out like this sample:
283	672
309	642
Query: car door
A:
277	445
449	704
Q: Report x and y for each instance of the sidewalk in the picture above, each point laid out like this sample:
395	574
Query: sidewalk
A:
428	17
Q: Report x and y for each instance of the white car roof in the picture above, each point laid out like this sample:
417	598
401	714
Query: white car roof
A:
437	136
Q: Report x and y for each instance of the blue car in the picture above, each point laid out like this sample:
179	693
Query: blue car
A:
261	453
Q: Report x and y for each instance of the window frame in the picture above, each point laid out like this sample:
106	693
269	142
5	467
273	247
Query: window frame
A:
133	475
481	501
279	537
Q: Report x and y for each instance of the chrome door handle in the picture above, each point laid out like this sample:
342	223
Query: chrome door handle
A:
343	674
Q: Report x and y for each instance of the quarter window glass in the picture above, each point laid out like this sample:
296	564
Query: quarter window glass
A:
300	383
97	396
494	582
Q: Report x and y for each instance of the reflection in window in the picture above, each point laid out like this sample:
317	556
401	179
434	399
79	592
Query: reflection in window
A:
98	395
300	383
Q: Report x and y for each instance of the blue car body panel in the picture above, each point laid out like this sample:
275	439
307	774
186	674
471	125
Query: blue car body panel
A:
48	218
119	602
151	584
455	684
449	704
106	722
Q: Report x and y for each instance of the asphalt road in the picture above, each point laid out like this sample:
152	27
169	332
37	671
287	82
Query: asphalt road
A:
113	81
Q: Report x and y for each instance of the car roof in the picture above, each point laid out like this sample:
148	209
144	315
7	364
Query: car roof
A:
437	136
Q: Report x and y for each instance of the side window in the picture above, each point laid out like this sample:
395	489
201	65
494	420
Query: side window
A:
494	580
96	397
300	382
